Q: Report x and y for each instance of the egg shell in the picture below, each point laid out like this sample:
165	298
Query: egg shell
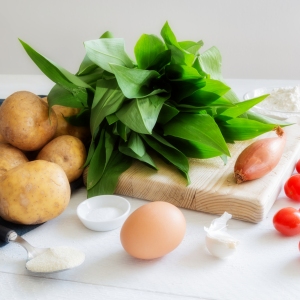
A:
153	230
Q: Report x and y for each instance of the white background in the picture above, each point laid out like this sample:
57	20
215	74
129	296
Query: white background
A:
257	39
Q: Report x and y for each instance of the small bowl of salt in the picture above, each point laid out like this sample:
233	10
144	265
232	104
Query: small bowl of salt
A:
103	213
283	103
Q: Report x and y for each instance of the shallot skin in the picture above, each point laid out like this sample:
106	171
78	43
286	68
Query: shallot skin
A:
259	158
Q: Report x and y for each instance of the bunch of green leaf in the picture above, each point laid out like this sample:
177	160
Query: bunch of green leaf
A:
171	102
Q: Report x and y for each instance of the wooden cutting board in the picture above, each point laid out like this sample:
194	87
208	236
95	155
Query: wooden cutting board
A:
212	188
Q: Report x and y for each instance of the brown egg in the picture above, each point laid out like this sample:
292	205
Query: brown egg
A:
153	230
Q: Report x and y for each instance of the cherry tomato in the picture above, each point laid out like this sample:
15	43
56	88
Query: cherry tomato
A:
298	166
287	221
292	187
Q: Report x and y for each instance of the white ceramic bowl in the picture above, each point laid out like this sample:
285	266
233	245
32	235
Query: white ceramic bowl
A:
273	113
103	213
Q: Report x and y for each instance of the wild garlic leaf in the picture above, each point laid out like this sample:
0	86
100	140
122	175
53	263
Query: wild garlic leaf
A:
60	96
200	128
209	95
104	52
135	83
146	50
169	152
54	72
179	55
211	62
117	164
108	99
140	115
161	60
241	129
241	107
121	129
167	113
146	158
181	73
183	89
191	47
87	65
136	144
100	158
194	149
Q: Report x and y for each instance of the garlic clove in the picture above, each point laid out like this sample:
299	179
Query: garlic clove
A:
218	242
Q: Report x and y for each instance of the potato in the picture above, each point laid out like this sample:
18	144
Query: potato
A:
25	121
10	157
2	139
65	128
34	192
67	151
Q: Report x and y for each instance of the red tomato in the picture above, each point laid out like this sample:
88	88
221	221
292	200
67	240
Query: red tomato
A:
287	221
292	187
298	166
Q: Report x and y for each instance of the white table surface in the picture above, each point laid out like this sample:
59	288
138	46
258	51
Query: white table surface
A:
265	266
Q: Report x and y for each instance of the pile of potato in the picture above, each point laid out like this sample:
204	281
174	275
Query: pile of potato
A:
40	154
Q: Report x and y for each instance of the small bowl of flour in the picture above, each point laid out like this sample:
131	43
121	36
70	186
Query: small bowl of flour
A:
283	103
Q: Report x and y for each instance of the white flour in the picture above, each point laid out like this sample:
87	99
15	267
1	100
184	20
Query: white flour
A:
56	259
283	99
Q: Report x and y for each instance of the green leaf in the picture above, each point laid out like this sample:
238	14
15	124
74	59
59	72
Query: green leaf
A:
147	48
87	66
167	113
58	95
136	83
241	129
100	158
136	144
104	52
200	128
125	149
118	163
179	55
181	73
140	115
54	72
169	152
161	60
183	89
107	100
211	62
190	46
121	130
193	149
241	107
209	95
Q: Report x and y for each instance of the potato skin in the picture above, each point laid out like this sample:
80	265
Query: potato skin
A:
34	193
64	127
67	151
25	121
10	157
2	139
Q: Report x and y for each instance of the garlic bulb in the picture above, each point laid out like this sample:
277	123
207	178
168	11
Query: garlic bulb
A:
218	242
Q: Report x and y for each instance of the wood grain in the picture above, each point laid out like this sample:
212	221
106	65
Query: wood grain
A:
212	188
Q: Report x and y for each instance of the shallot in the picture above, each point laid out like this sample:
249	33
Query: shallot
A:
259	158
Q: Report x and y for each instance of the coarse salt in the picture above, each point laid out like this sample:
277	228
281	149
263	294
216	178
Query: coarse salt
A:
283	99
56	259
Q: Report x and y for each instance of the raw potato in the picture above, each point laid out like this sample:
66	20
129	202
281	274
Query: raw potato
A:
67	151
2	139
64	127
25	121
10	157
34	192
